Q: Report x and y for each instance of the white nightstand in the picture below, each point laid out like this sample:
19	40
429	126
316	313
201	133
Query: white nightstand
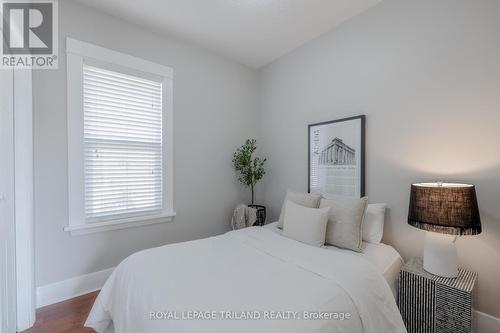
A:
434	304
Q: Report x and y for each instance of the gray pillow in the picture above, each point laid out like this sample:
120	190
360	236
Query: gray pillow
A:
310	200
345	221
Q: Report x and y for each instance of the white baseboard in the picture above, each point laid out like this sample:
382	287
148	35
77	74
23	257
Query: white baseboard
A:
486	323
63	290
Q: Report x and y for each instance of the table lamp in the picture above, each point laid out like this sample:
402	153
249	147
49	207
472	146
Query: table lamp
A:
445	211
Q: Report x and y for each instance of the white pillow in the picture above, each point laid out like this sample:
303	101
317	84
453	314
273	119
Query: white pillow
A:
310	200
373	227
306	225
345	221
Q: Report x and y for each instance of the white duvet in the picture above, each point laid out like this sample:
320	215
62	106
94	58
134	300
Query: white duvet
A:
251	280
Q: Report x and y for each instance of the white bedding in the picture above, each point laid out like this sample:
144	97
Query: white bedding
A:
384	257
253	271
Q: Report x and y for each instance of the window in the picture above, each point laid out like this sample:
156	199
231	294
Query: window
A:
119	140
122	121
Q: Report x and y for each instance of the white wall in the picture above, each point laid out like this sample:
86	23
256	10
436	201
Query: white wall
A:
427	75
213	109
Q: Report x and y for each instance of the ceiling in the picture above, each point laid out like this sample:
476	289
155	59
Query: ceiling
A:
251	32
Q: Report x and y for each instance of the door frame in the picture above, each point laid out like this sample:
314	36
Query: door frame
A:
7	205
24	204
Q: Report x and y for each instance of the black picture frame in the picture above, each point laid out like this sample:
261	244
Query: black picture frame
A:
362	119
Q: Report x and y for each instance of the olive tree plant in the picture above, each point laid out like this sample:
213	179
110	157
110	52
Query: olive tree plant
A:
250	170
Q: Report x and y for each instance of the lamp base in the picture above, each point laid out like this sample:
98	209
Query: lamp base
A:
440	255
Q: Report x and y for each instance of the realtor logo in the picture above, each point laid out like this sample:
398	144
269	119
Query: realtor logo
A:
29	34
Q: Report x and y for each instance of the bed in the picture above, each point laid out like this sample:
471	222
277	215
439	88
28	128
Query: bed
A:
383	257
250	280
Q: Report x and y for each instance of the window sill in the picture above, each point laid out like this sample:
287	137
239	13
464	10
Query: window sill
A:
83	229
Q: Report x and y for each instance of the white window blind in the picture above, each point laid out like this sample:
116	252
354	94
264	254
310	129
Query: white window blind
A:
122	145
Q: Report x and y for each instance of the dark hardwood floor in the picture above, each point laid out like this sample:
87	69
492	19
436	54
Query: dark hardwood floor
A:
64	317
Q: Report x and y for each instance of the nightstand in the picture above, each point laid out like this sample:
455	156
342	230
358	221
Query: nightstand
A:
432	304
261	215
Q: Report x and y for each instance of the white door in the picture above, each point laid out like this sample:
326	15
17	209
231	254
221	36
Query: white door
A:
7	207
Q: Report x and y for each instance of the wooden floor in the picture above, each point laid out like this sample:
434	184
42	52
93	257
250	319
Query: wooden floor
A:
64	317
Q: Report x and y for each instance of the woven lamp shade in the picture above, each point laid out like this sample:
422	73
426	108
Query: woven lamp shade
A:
444	208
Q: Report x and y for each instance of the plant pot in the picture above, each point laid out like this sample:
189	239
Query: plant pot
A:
261	214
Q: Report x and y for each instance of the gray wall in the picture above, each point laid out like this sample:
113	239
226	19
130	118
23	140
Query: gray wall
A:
427	75
214	109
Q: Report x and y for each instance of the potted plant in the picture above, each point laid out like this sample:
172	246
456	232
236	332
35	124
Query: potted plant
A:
250	170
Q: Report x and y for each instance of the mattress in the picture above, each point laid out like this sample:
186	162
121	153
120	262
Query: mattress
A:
209	285
384	257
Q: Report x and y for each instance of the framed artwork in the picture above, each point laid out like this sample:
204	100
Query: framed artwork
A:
336	157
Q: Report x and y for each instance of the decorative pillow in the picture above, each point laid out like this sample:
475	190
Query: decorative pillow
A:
307	225
345	221
373	227
310	200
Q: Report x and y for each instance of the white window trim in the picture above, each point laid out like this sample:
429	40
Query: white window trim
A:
78	53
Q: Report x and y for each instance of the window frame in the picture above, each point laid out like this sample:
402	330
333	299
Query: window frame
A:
78	53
